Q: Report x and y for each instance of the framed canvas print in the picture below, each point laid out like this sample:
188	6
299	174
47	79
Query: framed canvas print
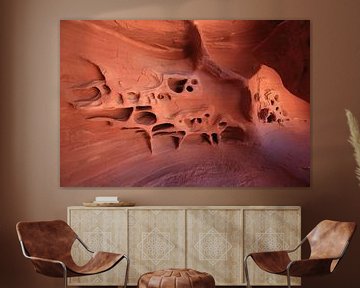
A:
200	103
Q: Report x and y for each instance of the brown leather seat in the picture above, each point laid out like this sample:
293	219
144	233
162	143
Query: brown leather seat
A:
176	278
328	242
48	245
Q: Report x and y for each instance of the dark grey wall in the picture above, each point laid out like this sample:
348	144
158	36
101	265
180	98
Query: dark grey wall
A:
29	119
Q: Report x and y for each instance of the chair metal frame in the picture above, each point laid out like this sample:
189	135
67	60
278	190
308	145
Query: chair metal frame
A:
288	276
26	255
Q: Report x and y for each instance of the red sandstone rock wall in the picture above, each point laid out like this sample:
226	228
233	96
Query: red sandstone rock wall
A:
185	103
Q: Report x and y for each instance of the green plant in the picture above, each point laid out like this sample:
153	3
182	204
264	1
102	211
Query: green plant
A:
354	140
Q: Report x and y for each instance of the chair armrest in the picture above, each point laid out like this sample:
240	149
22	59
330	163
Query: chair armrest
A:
48	267
309	267
46	260
279	251
84	245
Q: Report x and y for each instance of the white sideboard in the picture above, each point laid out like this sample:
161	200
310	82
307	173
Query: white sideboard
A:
211	239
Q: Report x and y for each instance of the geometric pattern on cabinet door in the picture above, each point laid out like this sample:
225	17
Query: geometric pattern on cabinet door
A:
271	230
214	244
101	230
156	241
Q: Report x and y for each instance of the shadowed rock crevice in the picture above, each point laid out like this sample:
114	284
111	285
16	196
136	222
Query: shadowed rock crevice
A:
118	114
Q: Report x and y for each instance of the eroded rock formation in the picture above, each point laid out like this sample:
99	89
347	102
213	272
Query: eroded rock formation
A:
182	103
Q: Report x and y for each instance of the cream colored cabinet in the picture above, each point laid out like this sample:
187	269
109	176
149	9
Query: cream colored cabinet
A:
101	230
212	239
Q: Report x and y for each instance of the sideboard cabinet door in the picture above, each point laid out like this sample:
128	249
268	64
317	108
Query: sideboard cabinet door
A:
270	230
214	244
101	230
156	240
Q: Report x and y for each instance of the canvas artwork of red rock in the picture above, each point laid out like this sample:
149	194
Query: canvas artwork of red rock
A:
193	103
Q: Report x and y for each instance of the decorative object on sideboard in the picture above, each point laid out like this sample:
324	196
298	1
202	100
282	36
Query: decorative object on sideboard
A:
48	245
106	204
328	242
354	140
108	201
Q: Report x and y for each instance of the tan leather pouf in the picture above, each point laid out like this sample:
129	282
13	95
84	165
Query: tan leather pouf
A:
176	278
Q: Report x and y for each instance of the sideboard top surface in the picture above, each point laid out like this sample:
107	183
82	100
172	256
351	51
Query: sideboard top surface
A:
193	207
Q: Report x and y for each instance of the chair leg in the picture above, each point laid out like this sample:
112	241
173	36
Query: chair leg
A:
246	270
288	278
127	271
65	276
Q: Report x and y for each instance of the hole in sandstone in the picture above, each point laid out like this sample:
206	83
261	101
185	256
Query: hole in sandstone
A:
276	97
177	85
194	81
120	99
205	138
89	94
176	141
207	115
130	128
179	134
263	113
106	89
162	133
199	120
214	137
163	96
271	118
192	120
133	97
233	134
256	97
179	89
119	114
222	124
162	126
272	102
277	108
145	118
189	88
142	108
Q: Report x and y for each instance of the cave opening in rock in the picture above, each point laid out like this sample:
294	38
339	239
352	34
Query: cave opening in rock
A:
162	126
263	113
177	85
145	118
271	118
